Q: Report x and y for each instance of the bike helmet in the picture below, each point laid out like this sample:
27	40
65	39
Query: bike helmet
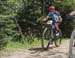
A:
51	9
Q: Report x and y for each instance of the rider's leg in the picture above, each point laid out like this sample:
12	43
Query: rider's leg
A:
57	27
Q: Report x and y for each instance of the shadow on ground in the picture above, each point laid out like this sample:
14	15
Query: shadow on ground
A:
52	51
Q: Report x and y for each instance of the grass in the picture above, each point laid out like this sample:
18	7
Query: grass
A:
12	45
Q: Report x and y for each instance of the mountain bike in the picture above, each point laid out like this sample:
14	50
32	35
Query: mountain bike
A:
50	35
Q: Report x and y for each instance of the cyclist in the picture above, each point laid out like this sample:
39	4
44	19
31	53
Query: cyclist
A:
71	15
55	15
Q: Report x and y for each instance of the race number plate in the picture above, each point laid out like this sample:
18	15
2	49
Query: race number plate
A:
49	22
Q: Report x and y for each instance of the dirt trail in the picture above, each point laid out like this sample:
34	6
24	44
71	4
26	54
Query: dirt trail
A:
54	52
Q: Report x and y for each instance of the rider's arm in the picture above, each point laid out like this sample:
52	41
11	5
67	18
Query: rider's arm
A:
45	19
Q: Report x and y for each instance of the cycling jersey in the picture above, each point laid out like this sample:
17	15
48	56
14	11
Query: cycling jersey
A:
54	15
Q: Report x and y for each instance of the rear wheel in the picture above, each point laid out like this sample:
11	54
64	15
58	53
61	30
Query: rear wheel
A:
58	39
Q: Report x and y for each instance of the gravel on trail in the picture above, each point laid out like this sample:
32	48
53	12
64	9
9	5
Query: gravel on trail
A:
52	52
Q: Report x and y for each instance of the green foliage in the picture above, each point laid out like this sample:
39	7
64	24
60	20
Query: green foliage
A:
8	9
11	45
26	13
31	10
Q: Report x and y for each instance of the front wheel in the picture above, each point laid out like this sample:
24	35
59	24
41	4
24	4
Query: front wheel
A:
46	38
